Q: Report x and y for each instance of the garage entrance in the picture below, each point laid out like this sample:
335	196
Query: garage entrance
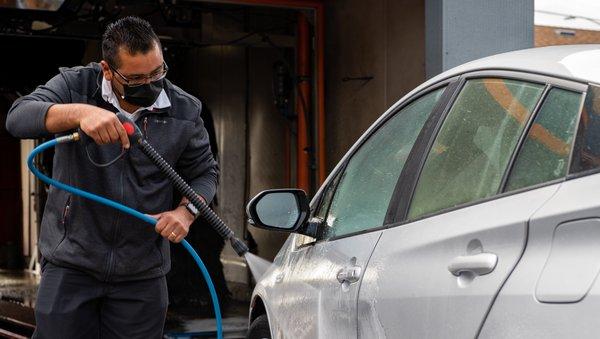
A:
254	69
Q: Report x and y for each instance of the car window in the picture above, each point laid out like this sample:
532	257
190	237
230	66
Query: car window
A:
586	153
545	153
365	187
473	147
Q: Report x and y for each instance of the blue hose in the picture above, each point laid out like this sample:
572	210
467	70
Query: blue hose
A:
128	210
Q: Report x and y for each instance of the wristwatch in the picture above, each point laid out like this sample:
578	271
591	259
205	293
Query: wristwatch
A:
191	208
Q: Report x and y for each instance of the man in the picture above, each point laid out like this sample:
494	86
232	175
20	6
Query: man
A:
103	272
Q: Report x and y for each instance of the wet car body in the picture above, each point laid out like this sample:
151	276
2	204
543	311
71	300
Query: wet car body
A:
471	208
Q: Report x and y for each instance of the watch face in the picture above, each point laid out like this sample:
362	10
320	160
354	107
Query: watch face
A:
190	207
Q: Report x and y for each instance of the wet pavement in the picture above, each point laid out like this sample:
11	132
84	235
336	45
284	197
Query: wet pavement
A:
18	286
18	289
182	324
233	328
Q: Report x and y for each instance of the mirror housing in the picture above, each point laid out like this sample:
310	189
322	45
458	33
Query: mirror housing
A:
283	210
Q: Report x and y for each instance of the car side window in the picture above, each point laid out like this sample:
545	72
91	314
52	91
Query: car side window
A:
586	153
473	147
544	155
366	185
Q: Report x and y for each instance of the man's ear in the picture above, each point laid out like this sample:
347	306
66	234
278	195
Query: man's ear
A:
106	71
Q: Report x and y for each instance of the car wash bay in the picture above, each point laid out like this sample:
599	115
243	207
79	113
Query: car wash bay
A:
239	61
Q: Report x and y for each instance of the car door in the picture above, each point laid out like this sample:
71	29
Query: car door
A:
554	292
318	288
435	273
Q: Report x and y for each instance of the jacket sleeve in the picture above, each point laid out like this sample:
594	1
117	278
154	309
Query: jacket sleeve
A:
27	116
197	164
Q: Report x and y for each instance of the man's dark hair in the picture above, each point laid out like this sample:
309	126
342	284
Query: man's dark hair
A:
133	34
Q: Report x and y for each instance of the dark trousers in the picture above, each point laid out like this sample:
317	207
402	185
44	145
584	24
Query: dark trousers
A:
72	304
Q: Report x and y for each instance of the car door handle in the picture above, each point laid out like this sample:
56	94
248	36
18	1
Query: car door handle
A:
349	274
478	264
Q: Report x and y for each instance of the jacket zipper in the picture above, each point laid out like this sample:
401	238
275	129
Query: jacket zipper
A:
146	127
66	211
116	227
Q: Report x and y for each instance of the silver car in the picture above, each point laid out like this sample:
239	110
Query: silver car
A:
471	208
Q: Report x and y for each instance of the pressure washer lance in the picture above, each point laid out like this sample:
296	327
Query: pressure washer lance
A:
136	136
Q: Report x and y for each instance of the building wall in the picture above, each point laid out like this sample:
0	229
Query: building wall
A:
399	44
236	83
266	134
383	39
549	36
459	31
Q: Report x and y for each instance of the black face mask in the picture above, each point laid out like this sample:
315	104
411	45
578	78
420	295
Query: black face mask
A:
143	95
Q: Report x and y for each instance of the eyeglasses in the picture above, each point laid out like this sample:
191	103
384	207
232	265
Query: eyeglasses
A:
138	80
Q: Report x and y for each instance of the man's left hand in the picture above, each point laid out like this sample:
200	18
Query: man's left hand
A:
174	225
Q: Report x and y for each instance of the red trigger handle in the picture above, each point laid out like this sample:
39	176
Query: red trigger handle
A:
131	128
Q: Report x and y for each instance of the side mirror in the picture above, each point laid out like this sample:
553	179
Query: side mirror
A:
279	209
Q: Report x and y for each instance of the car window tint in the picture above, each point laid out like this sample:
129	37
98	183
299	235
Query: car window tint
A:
545	153
363	194
586	153
473	147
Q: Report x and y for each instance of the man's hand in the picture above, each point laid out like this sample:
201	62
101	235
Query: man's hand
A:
174	225
103	126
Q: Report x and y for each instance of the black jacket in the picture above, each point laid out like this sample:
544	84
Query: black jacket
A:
88	236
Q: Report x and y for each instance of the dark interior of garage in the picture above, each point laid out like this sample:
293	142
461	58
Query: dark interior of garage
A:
239	60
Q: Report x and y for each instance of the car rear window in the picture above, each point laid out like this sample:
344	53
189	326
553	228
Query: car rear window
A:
545	154
586	153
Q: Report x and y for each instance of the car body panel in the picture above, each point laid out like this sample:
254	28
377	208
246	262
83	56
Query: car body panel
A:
570	315
322	307
308	289
408	290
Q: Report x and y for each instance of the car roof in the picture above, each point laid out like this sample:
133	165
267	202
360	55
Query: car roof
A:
572	62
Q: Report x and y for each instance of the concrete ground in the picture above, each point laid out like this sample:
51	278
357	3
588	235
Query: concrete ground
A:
233	327
18	286
18	289
186	324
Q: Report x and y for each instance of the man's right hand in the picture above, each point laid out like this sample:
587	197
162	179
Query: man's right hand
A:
103	126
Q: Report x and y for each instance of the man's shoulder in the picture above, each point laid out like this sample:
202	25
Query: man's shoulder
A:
82	79
185	106
91	69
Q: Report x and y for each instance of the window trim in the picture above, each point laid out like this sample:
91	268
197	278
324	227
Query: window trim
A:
407	182
480	201
392	113
546	81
